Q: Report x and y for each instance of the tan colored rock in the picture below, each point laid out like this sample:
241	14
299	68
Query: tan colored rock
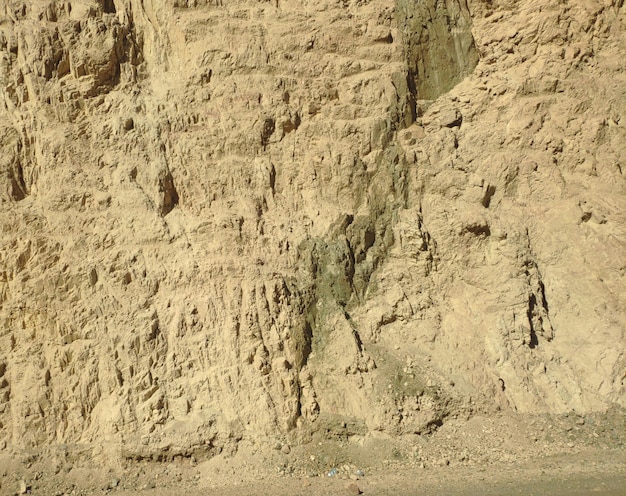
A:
242	221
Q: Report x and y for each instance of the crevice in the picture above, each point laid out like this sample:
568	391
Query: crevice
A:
273	179
478	229
357	340
489	192
432	426
269	126
168	192
544	301
109	7
530	313
307	341
18	185
369	238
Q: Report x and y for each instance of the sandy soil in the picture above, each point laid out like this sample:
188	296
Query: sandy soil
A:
503	455
592	472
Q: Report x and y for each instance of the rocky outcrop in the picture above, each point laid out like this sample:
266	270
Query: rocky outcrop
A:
438	44
262	220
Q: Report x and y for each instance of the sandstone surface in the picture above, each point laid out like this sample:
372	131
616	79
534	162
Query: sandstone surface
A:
242	221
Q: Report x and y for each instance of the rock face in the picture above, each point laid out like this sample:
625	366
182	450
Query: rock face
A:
250	220
438	44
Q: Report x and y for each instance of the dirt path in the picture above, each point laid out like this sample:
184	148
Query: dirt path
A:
592	472
500	455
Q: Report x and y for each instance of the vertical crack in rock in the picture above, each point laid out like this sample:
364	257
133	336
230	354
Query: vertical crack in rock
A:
13	158
167	192
538	311
269	126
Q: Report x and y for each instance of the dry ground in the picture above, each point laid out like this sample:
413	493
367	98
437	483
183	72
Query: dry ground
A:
507	454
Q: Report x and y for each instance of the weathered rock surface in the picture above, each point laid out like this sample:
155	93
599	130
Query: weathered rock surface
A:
249	220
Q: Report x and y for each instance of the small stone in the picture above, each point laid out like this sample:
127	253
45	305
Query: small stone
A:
511	32
352	488
570	445
285	449
114	483
23	487
451	118
580	421
419	133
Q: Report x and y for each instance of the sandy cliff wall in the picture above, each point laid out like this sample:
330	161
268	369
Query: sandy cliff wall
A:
240	220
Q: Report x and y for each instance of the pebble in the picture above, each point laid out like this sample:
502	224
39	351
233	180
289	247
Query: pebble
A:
285	449
23	487
451	118
352	488
114	483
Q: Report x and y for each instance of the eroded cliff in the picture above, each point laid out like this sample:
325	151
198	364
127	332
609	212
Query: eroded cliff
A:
251	220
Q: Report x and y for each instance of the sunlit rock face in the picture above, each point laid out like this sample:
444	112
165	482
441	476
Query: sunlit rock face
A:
227	221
